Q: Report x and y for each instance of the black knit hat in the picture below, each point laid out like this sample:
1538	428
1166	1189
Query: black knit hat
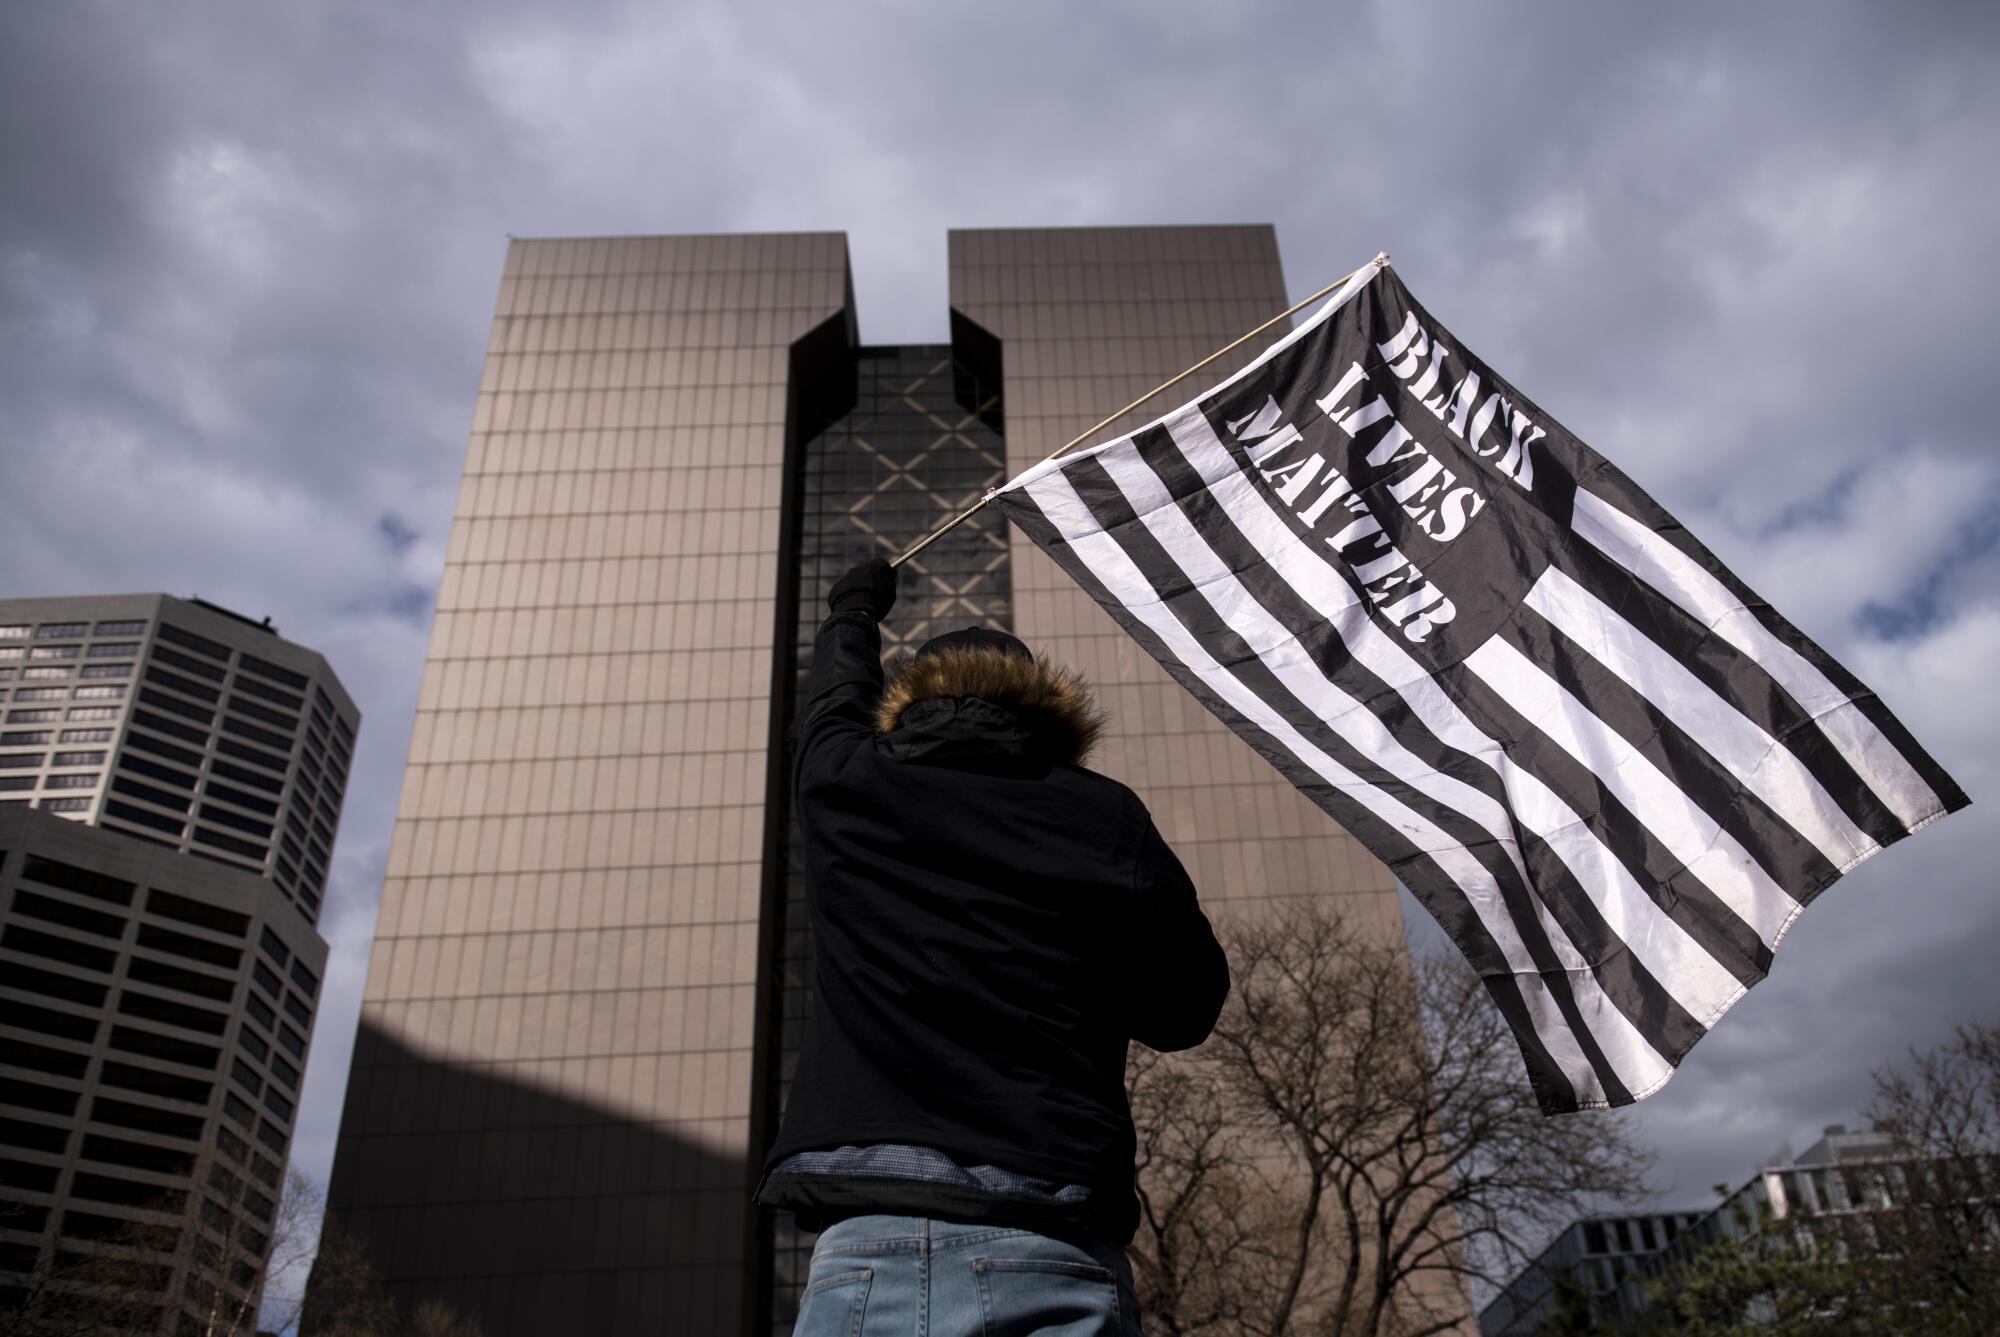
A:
975	638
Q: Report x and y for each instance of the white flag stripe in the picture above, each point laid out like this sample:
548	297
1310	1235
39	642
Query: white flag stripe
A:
1688	833
1552	1028
1634	1060
1640	1068
1768	770
1879	762
1282	654
1680	965
1631	1055
1704	987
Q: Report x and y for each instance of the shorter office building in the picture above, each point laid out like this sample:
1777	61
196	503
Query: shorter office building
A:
155	1014
1602	1262
1606	1263
178	723
170	780
1842	1174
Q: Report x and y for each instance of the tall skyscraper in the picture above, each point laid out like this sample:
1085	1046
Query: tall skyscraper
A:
588	981
171	778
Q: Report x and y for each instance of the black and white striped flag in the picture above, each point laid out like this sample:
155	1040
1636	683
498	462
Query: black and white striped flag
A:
1612	773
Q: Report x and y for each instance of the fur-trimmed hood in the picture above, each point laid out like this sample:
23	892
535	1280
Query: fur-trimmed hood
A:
949	702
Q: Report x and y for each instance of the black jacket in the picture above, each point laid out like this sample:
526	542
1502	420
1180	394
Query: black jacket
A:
992	925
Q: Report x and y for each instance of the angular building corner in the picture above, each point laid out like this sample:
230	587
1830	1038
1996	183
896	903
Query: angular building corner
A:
171	779
589	978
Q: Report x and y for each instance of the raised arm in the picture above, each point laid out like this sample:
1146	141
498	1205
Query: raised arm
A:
846	678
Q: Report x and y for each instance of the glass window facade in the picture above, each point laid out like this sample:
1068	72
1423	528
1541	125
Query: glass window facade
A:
917	446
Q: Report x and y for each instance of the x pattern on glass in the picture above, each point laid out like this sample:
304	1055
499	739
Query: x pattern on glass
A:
953	582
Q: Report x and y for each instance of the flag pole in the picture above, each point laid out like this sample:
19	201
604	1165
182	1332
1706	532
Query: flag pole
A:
1091	431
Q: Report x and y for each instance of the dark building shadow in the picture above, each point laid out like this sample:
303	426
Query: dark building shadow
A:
530	1212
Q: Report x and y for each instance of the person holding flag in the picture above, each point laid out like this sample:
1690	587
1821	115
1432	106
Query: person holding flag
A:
993	925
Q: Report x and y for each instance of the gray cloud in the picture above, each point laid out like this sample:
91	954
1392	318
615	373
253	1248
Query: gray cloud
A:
248	256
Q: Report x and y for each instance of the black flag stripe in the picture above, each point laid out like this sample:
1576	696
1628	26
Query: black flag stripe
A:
1620	824
1747	684
1773	849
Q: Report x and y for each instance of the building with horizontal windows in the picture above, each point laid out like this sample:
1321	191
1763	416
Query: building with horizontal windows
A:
171	778
1600	1265
589	979
113	703
1604	1264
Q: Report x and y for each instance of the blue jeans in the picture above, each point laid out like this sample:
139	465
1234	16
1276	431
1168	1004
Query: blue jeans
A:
907	1276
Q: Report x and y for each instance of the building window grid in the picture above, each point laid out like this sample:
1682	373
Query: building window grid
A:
92	1014
219	845
904	458
184	696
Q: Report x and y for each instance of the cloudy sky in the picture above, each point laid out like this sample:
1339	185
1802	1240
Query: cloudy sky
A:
248	258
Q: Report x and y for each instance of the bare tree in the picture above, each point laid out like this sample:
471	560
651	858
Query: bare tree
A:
1899	1242
1931	1217
246	1245
1355	1143
346	1298
435	1318
1199	1247
208	1255
106	1276
1780	1281
198	1254
343	1296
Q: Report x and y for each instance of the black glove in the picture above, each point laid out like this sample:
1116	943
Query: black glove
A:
869	587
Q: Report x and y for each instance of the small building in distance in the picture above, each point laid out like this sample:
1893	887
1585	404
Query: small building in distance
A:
1601	1261
1606	1262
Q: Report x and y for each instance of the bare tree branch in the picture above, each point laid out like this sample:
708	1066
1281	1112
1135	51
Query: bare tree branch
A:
1396	1151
